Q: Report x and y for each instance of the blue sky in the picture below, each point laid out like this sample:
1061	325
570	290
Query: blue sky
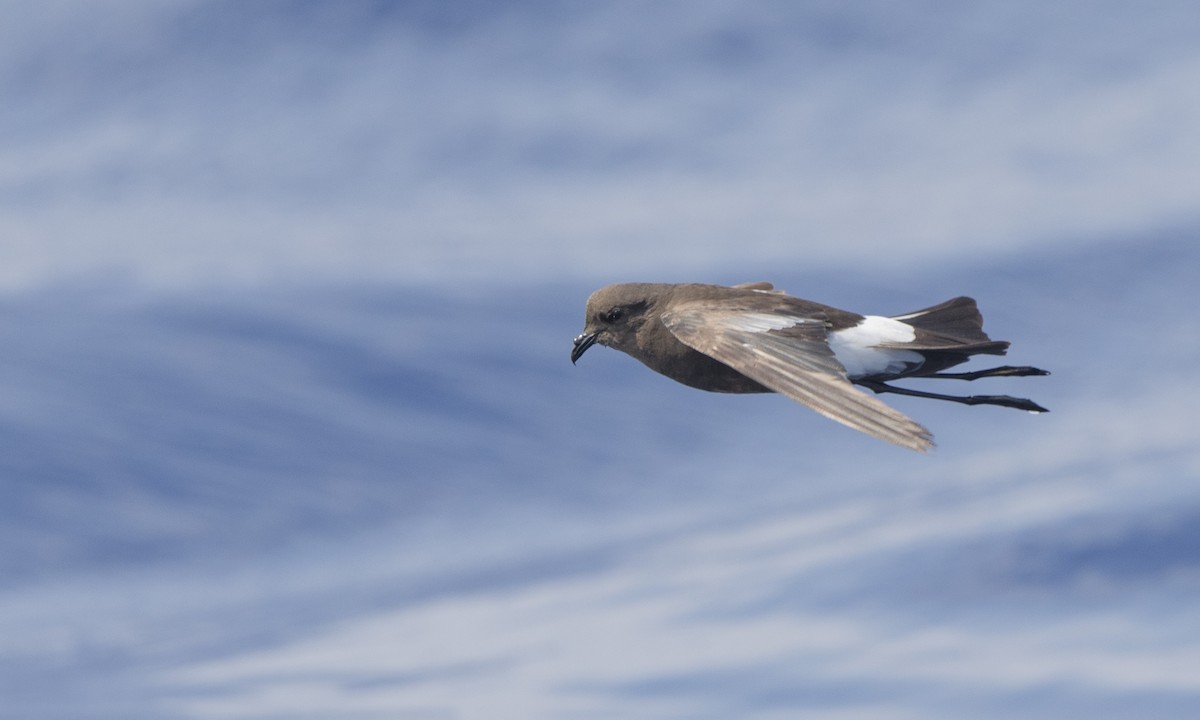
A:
213	141
288	428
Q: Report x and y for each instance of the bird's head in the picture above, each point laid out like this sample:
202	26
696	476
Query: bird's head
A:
614	315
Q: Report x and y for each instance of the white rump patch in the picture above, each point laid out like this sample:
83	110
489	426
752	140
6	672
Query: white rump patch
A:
857	348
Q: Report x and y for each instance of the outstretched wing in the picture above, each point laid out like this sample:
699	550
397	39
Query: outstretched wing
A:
790	355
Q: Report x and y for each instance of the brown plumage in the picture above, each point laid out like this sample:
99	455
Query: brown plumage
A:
752	338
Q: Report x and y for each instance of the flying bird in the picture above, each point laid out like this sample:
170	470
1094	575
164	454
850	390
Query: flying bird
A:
752	338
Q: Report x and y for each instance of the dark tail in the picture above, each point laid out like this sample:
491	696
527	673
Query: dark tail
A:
953	325
947	335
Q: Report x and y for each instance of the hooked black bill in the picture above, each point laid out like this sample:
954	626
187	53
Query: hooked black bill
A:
582	342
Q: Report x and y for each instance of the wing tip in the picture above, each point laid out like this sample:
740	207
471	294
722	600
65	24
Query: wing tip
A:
924	444
909	434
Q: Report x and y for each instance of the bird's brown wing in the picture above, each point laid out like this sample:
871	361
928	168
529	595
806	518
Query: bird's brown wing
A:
791	356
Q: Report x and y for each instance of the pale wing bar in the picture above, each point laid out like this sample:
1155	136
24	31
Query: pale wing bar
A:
790	355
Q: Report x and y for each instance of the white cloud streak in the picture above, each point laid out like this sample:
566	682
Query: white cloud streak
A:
634	567
396	149
685	613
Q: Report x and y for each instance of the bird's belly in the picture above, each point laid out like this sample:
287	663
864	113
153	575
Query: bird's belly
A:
697	370
730	382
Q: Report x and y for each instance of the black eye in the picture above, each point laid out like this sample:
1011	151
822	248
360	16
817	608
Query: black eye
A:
614	315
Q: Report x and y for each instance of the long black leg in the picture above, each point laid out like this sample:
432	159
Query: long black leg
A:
1002	400
1002	371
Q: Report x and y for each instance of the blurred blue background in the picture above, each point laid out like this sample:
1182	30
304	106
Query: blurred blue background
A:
287	422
